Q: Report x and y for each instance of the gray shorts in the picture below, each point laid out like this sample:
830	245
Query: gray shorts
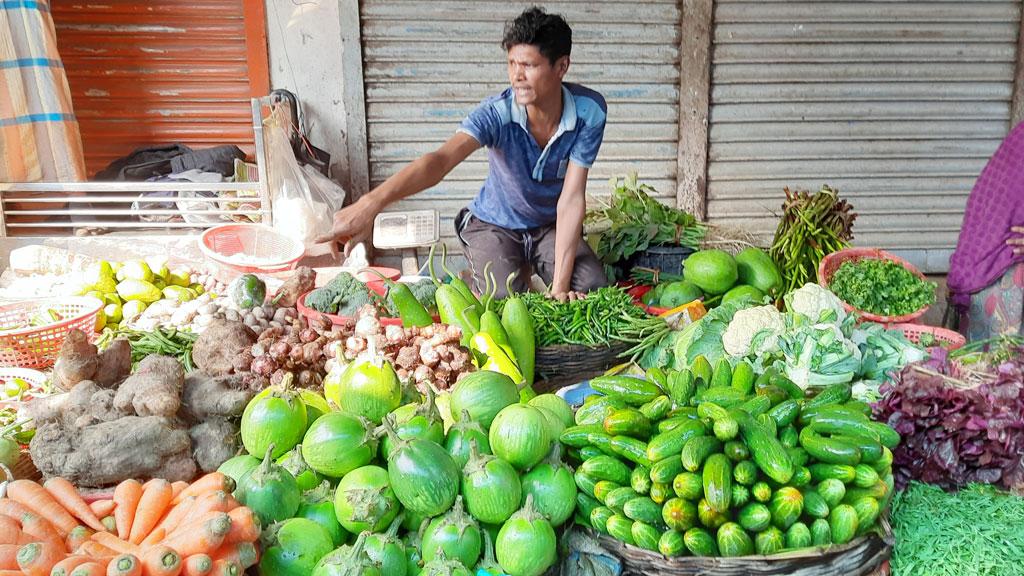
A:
522	251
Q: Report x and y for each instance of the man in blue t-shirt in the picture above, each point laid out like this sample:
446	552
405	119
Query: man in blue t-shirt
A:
542	135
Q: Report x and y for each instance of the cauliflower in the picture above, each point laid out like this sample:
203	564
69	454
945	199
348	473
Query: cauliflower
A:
816	303
753	331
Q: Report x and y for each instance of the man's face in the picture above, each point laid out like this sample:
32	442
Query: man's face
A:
532	76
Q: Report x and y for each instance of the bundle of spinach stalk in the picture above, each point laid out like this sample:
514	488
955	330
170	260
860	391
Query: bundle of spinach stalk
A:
633	220
811	227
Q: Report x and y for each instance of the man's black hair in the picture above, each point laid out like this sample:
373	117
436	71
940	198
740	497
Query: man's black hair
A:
548	32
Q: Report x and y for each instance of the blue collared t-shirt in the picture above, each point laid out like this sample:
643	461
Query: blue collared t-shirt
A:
524	182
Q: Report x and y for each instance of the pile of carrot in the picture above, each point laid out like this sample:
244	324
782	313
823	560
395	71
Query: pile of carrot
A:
153	529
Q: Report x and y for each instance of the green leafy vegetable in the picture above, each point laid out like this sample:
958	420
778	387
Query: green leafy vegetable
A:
704	337
881	287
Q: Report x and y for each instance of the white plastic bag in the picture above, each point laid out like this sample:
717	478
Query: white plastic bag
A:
304	201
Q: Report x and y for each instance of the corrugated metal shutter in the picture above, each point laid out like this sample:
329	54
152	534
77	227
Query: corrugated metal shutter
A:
159	71
428	64
899	104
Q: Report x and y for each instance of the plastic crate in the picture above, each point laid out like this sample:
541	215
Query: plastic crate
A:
38	347
949	339
832	262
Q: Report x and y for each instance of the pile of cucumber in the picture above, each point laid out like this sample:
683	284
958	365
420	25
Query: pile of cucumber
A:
720	461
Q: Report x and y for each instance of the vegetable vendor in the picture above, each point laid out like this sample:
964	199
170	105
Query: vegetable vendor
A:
542	136
986	272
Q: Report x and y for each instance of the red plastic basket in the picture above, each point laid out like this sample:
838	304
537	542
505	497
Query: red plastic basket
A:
341	320
832	262
37	347
948	339
268	250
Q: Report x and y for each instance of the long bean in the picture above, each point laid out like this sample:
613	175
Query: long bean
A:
165	341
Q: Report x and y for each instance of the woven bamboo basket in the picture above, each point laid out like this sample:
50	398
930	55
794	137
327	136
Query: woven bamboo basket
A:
864	556
564	365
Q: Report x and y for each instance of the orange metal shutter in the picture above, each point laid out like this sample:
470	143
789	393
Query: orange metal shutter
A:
161	71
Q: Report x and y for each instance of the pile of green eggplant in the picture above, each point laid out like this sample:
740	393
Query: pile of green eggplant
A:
721	461
378	482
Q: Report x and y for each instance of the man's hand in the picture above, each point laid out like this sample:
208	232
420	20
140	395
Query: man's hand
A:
352	224
1017	243
567	296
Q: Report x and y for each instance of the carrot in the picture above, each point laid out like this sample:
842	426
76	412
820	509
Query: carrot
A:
10	530
95	549
242	553
161	561
126	500
9	556
109	523
116	544
204	505
177	487
89	569
102	508
226	568
198	565
77	536
152	505
67	496
124	565
210	483
174	517
12	509
38	558
11	573
65	566
38	500
206	537
41	530
245	526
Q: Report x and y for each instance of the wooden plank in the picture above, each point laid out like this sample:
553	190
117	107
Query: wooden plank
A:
1017	105
694	90
354	96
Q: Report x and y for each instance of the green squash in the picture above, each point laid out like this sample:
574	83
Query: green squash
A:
455	533
297	545
270	491
339	442
526	544
364	500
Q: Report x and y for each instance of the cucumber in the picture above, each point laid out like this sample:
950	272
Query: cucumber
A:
726	429
832	394
807	415
588	452
793	391
888	437
768	424
656	409
833	491
658	376
865	476
602	488
814	505
628	422
801	478
745	473
576	436
646	536
617	498
665	471
789	437
643	509
754	517
681	419
701	370
756	406
840	425
631	449
688	486
798	456
697	449
786	506
621	528
743	377
829	450
681	387
867	509
661	492
785	413
606	468
597	408
712	411
709	516
722	375
602	442
599	518
884	464
585	505
761	492
736	451
633	391
767	453
640	480
670	443
840	472
774	394
585	482
844	523
740	495
700	542
821	533
879	492
679	514
717	477
771	541
798	536
671	544
733	541
725	396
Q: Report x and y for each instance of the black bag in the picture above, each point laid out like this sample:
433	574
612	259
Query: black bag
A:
143	163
